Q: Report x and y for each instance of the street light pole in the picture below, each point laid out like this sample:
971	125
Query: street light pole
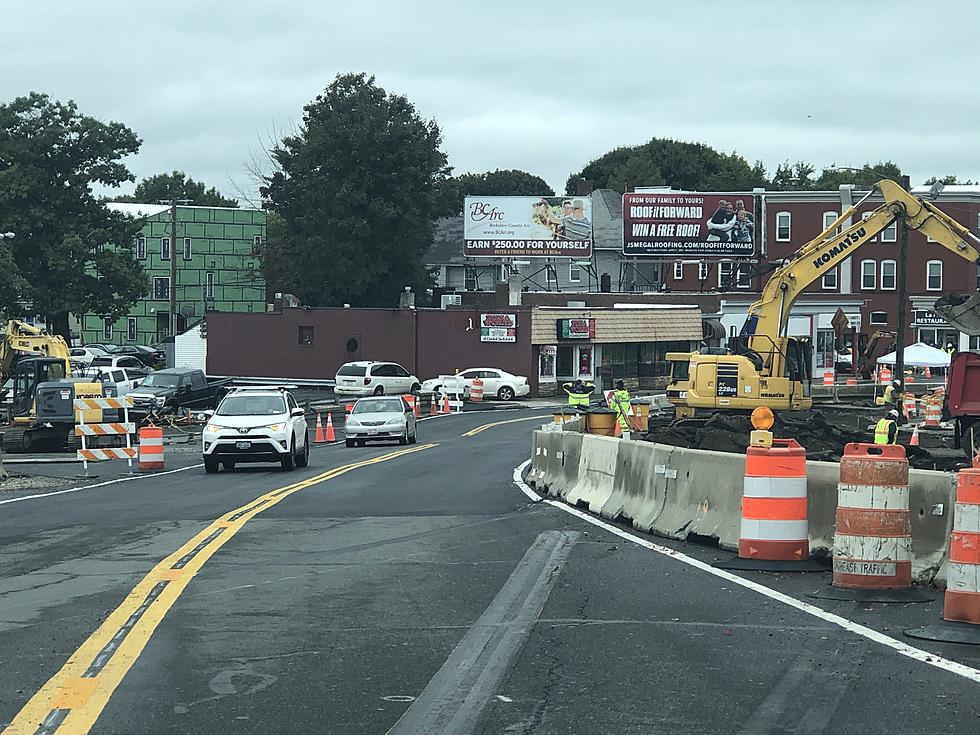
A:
173	267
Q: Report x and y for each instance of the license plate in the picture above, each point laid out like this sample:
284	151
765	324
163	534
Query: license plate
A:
372	432
243	445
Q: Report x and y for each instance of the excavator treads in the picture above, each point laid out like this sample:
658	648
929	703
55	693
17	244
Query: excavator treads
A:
961	310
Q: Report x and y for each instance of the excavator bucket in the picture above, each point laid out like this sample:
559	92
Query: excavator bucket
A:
961	310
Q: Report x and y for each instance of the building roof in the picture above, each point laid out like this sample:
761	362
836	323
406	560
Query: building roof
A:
133	209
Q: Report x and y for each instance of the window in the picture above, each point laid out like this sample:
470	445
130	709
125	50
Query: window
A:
702	271
256	244
399	372
165	248
107	329
829	280
574	273
783	229
141	248
744	276
209	285
725	274
828	220
869	271
888	278
469	279
890	233
305	335
161	288
679	270
864	217
974	344
187	248
934	275
131	329
878	317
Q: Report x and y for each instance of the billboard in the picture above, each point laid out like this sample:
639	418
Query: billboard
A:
671	225
498	327
528	227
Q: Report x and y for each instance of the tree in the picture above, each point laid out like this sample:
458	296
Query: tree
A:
863	177
177	185
950	180
691	166
58	262
502	182
357	189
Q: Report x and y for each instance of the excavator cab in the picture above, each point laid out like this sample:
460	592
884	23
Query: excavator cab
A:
27	374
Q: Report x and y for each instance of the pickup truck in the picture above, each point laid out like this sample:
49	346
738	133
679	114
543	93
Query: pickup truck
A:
178	388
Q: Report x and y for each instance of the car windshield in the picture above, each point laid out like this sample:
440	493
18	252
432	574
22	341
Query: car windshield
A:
356	370
252	406
379	405
162	380
101	361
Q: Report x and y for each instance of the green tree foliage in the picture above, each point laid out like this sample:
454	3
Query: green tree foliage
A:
864	177
950	180
50	156
502	182
177	185
681	165
357	189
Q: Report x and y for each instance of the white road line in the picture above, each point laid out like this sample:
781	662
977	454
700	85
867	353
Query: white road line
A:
932	659
98	484
518	474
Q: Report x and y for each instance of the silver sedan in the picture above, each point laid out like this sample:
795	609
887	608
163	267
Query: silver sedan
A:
381	417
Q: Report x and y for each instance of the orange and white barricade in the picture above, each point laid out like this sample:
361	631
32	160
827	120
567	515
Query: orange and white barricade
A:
873	540
476	390
852	381
828	377
908	404
962	601
410	400
884	375
86	430
774	505
151	448
934	412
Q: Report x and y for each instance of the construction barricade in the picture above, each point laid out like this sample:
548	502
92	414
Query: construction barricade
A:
828	377
873	538
884	375
151	448
908	404
84	407
476	390
934	412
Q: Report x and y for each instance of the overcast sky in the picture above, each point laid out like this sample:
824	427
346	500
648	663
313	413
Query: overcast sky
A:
543	87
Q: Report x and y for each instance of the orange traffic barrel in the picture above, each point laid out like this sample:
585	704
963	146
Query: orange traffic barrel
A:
828	377
908	404
962	602
476	390
852	381
774	506
151	448
934	412
873	540
885	375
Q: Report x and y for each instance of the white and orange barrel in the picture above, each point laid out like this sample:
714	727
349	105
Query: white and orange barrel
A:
928	373
476	390
774	506
908	404
410	400
884	375
934	412
151	448
852	381
828	377
873	540
962	602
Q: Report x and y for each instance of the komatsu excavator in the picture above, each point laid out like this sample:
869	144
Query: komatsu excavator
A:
766	366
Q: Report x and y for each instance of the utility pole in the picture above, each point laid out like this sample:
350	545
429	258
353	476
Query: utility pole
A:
903	267
173	267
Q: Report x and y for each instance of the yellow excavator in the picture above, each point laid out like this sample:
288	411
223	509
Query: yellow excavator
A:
767	367
41	412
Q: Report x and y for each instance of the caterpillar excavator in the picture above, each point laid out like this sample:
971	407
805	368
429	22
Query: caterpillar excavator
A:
41	413
767	367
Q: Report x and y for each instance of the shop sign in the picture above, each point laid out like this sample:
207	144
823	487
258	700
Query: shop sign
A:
498	327
527	227
576	328
923	318
690	225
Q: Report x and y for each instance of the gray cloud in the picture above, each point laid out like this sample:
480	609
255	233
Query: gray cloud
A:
542	87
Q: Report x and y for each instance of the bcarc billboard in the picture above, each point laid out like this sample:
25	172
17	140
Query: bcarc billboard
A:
528	227
670	225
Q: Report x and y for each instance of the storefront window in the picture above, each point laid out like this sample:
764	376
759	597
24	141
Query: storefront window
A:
825	348
566	359
546	363
585	362
939	337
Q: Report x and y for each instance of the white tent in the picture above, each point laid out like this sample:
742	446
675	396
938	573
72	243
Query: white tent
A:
919	355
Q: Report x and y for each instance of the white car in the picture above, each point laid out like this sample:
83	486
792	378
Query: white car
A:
83	356
256	425
101	362
124	379
370	378
496	383
380	418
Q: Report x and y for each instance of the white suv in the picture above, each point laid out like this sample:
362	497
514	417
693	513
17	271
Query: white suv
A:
369	378
256	425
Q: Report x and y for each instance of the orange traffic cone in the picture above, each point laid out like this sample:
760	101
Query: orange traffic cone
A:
617	431
445	404
434	406
319	437
331	437
928	373
914	442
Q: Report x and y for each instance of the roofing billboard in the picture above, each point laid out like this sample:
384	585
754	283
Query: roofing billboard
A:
528	227
675	225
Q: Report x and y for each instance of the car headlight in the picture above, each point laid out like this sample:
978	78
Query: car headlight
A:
159	400
395	421
352	422
214	428
274	427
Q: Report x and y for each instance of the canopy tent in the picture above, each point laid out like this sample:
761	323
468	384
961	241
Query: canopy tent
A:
919	355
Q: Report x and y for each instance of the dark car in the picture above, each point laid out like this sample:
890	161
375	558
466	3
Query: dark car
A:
147	355
178	388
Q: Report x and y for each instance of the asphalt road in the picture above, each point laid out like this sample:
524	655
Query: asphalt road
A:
384	590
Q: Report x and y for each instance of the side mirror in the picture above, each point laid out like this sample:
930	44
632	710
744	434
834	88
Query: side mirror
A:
297	412
136	384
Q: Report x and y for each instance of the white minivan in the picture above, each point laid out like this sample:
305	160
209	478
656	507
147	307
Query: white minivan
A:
370	378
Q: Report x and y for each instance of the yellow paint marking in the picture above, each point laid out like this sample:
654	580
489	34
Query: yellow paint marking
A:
86	696
478	429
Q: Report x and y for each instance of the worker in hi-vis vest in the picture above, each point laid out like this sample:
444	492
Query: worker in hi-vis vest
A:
893	394
886	430
579	393
619	402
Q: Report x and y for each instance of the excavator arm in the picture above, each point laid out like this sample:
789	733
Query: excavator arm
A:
22	340
768	318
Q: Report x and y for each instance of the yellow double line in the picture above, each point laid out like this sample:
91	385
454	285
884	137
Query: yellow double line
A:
478	429
71	701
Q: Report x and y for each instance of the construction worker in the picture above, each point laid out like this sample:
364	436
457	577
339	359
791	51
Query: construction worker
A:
886	430
949	349
893	394
619	402
578	393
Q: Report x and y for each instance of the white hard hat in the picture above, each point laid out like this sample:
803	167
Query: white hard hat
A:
893	413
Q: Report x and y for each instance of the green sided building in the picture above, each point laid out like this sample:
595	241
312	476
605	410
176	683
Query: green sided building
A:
217	270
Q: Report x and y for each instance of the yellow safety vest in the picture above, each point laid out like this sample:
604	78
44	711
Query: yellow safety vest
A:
577	399
890	394
882	429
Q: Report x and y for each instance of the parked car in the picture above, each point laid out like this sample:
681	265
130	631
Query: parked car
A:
370	378
106	347
496	383
111	362
83	356
380	418
179	388
256	425
122	380
147	355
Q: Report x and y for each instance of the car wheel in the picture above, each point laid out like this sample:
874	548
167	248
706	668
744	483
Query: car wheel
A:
379	391
304	457
289	461
506	393
414	437
228	464
210	465
415	388
349	443
403	439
